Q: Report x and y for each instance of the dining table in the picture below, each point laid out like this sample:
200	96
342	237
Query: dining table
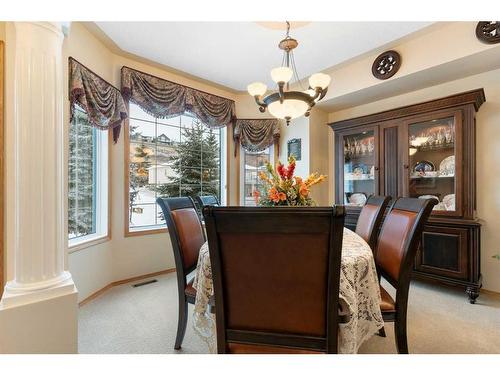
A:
359	296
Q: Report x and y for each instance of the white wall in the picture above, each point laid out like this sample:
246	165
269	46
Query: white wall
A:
488	156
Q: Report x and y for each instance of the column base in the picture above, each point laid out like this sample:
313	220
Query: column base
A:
19	294
43	321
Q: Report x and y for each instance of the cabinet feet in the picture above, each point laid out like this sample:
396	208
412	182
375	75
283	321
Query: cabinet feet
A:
472	293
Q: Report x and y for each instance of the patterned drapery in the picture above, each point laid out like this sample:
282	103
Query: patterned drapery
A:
164	99
256	134
102	102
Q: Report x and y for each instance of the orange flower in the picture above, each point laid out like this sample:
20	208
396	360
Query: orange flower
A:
276	196
256	196
303	190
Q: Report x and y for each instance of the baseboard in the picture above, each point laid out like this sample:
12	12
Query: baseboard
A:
120	282
490	292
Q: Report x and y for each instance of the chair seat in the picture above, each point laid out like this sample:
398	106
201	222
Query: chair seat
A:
387	304
191	294
190	291
235	348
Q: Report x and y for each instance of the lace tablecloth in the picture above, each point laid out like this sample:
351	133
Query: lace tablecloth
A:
359	292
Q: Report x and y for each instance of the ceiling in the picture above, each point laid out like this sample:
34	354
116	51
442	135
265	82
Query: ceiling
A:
234	54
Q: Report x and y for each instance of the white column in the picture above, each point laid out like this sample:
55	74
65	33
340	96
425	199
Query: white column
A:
39	306
39	228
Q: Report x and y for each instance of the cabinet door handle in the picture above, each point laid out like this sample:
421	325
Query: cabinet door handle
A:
406	166
376	168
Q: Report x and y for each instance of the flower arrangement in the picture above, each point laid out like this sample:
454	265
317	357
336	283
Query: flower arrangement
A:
282	188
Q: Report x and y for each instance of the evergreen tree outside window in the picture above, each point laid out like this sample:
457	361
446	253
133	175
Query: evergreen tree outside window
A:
87	180
172	157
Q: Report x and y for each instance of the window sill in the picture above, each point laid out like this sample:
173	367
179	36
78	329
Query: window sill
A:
88	243
144	232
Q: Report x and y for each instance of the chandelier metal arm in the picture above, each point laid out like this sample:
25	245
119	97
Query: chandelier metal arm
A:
260	103
281	91
323	93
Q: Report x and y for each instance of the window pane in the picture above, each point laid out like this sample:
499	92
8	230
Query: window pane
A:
184	160
81	177
142	215
253	163
135	112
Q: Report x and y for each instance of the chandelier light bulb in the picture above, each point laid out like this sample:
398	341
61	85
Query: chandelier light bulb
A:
281	74
319	80
257	89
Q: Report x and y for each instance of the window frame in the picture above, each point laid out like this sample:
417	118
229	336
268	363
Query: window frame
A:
224	173
241	167
103	230
238	169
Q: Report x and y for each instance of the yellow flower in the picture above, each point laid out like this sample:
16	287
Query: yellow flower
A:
263	176
314	179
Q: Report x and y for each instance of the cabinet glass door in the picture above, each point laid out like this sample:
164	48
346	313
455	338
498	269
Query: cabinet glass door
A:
359	167
433	146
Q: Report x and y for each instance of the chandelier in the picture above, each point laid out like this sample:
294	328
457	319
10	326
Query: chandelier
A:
286	104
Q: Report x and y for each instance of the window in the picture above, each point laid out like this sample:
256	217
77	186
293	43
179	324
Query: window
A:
251	164
173	157
87	181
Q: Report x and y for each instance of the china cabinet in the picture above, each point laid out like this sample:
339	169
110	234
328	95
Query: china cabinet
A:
425	150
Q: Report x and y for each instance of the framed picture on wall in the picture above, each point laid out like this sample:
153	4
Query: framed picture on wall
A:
295	148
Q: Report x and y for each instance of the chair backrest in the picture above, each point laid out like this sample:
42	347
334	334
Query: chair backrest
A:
399	239
370	218
205	200
276	274
186	232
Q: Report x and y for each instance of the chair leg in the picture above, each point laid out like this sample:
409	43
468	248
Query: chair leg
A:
400	335
181	323
381	332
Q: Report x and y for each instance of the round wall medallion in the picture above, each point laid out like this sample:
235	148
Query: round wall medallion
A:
386	65
488	31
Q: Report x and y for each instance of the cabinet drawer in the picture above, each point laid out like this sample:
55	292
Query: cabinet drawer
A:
444	252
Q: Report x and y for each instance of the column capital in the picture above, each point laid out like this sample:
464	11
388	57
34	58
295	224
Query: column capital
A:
55	27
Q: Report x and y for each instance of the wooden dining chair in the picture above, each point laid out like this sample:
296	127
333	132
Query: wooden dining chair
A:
205	200
187	236
370	219
397	245
276	274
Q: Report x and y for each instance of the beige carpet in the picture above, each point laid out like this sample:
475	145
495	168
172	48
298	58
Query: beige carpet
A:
144	320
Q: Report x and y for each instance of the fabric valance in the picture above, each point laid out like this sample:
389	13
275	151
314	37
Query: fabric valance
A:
102	102
164	99
256	134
